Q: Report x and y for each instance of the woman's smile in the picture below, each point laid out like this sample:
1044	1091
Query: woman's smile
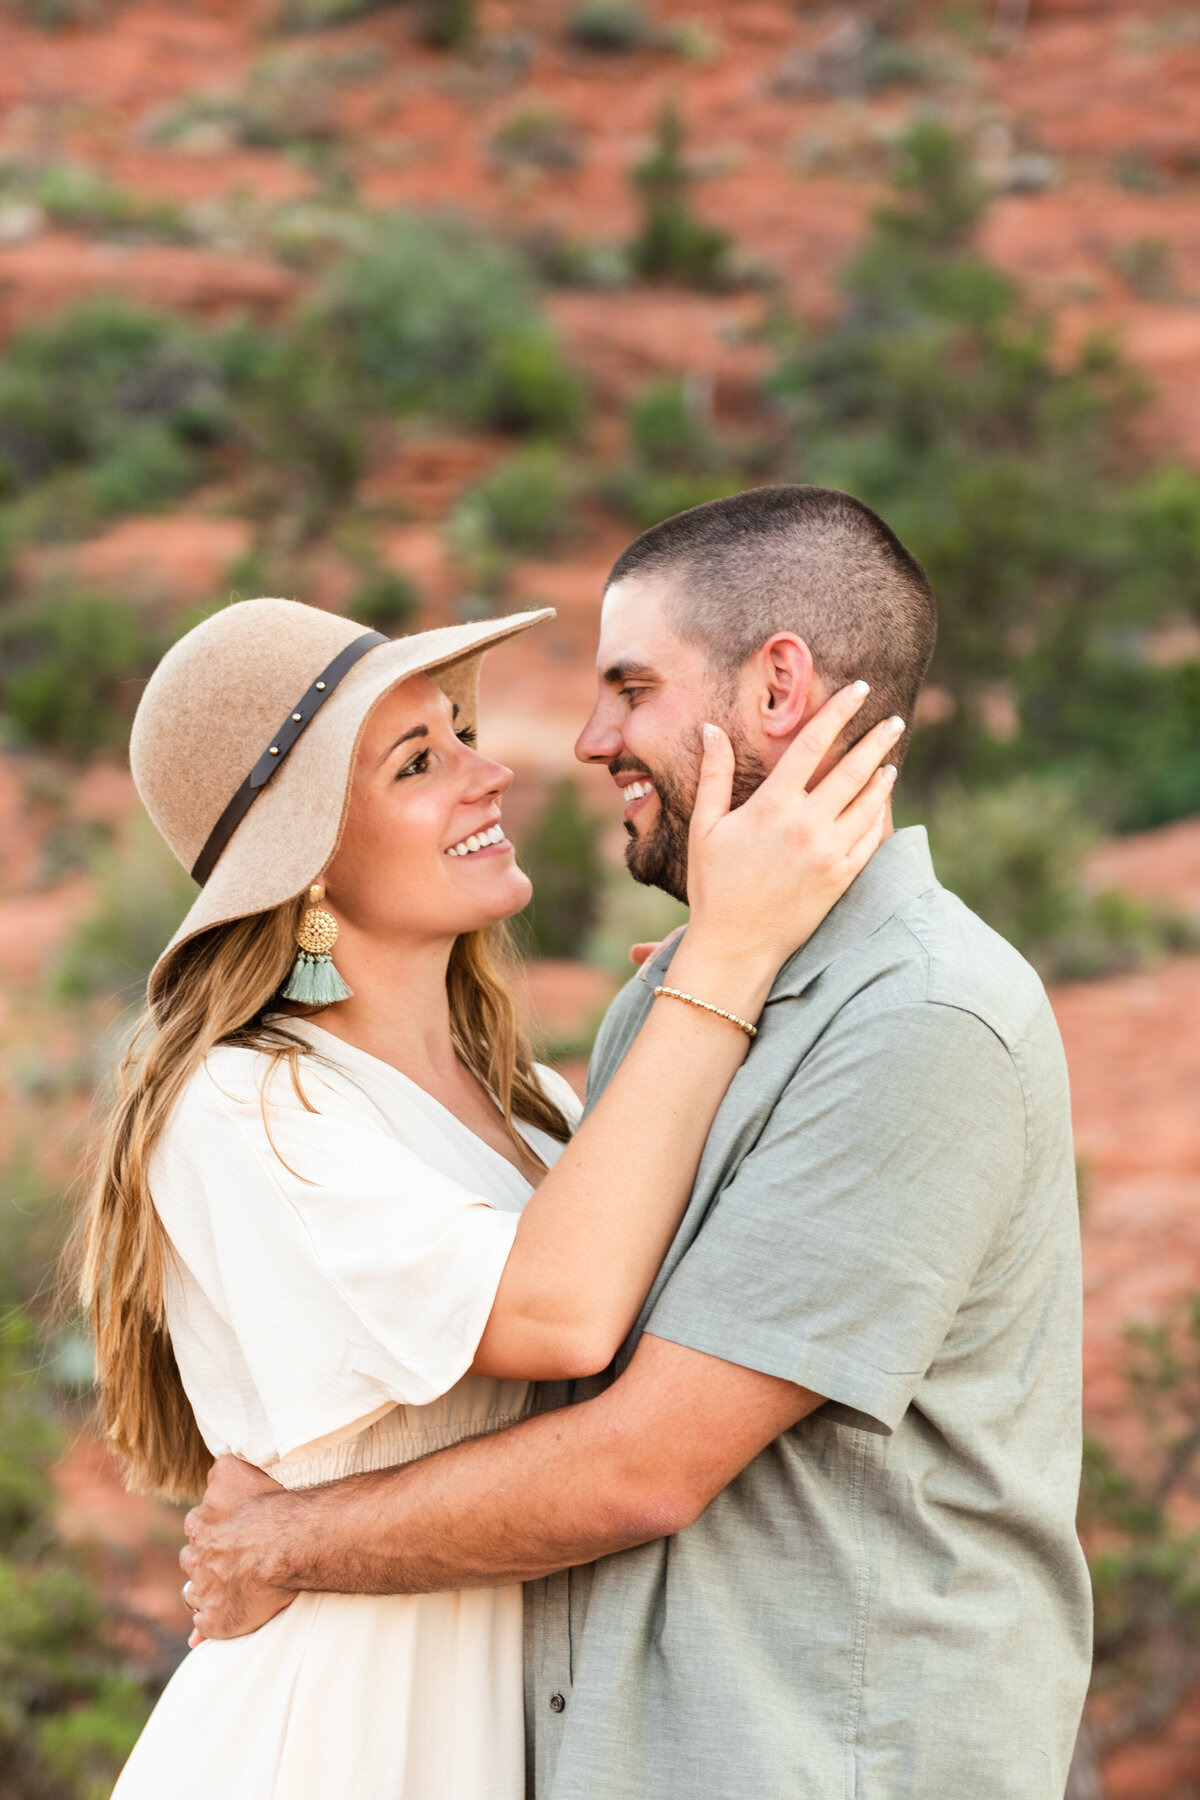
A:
489	842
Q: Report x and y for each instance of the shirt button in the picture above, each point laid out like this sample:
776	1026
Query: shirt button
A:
557	1703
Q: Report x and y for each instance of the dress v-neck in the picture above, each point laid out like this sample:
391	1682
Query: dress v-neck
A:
342	1048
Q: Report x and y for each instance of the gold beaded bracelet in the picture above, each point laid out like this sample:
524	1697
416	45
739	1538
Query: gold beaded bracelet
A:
719	1012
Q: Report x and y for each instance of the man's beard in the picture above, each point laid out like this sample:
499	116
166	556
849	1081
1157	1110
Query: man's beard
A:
659	858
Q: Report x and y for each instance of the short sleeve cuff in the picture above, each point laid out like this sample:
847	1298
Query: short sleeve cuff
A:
882	1395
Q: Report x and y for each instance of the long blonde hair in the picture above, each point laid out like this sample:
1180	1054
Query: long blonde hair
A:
217	989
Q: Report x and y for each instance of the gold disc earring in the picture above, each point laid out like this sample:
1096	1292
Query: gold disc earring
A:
314	981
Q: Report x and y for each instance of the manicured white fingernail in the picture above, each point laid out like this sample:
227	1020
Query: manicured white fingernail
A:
861	687
896	726
890	772
710	733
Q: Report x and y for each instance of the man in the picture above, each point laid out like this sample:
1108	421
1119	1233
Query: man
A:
814	1536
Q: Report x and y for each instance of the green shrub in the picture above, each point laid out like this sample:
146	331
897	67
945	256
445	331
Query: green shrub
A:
577	262
890	64
528	501
650	498
68	1718
472	538
676	459
1145	266
48	15
247	575
70	670
692	39
423	307
28	1442
1137	1522
525	503
141	895
148	467
1015	854
303	404
35	1217
446	24
562	860
1160	513
672	243
436	316
614	26
82	199
324	15
668	430
386	600
1012	476
1134	169
85	1745
630	914
858	58
69	846
124	398
1123	730
540	135
526	385
287	101
310	234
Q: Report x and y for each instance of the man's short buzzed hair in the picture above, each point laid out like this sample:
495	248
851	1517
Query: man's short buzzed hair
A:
808	560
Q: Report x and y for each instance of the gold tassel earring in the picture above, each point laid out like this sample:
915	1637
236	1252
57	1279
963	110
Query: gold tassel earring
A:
314	981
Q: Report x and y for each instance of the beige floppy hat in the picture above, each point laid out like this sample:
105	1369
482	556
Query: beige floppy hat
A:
245	739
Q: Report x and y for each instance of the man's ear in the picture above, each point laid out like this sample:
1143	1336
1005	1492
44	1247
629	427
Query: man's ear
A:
784	682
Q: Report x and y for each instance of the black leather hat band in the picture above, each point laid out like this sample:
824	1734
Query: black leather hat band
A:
297	720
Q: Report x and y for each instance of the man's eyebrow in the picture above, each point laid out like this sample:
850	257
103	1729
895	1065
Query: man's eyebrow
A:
618	672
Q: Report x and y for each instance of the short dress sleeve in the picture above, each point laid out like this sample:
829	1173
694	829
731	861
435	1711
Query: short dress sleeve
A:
557	1088
349	1272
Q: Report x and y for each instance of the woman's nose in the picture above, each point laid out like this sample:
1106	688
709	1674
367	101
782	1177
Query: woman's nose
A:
487	777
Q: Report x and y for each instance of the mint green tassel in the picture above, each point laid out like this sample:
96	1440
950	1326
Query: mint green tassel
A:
315	982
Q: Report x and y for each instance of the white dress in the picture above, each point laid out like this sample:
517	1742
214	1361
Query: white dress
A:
334	1270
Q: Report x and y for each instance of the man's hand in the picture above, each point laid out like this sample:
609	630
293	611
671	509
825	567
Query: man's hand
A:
228	1554
641	954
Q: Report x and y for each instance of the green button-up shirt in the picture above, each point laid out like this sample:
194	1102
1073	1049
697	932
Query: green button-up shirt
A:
890	1602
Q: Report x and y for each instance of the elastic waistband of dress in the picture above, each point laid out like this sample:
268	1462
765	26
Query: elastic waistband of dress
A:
378	1448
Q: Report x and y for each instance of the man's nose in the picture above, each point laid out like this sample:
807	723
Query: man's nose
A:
600	741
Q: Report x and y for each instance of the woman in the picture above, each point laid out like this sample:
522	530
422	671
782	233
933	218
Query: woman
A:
312	1239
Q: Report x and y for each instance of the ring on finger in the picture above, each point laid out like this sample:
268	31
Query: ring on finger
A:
187	1590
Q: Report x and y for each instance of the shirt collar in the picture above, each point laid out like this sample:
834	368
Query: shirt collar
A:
899	871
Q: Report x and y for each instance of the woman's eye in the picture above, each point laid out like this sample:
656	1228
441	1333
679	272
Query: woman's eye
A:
420	762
